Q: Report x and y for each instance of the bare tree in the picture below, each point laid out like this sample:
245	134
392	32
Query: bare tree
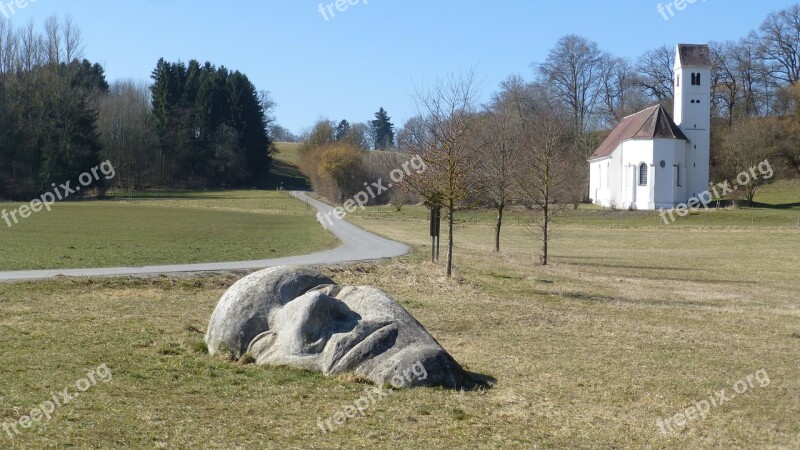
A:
73	40
751	141
501	127
622	94
656	74
322	133
738	79
52	31
30	52
8	47
725	81
358	135
268	105
546	166
447	148
125	131
412	133
574	69
788	145
780	44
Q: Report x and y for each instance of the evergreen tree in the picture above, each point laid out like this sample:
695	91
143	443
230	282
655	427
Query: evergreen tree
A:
212	125
50	133
383	130
342	130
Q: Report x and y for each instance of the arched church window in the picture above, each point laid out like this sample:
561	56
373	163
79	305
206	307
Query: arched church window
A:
643	174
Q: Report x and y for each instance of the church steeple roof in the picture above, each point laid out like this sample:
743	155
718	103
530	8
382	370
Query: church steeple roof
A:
651	123
693	55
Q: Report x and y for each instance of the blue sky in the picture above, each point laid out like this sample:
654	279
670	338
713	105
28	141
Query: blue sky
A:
374	54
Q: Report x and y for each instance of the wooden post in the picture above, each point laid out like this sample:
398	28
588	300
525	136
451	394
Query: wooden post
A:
436	221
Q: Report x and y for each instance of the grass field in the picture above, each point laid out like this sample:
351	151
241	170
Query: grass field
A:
776	205
162	228
284	167
631	323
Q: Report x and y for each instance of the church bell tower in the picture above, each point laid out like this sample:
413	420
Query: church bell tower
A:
693	112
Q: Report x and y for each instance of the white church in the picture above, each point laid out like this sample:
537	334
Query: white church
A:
650	161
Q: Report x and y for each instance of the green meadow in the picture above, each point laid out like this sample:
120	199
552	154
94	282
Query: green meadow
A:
162	228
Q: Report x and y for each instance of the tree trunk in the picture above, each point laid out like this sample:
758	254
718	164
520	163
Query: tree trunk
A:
545	224
500	209
449	241
545	237
750	194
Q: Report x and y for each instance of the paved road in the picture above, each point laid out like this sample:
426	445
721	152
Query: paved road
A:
357	245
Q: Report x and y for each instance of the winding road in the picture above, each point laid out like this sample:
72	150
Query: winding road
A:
357	245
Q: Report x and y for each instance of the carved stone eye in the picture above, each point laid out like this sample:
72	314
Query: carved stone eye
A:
261	343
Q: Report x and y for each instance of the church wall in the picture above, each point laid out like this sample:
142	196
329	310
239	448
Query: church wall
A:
600	172
630	193
614	181
669	191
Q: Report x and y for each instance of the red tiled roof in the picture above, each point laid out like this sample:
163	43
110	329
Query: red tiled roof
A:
653	122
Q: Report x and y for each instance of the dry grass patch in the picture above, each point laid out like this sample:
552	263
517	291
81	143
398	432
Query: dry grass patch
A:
627	326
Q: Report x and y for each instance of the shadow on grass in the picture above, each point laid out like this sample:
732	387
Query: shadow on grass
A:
593	298
604	258
756	205
474	381
778	206
566	261
506	277
175	195
288	176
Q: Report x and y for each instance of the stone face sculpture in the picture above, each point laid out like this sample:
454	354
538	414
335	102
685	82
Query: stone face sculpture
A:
297	317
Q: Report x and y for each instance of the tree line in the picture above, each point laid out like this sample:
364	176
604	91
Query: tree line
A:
47	125
194	126
377	134
336	157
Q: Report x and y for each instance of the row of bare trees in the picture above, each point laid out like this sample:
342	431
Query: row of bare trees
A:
22	50
521	146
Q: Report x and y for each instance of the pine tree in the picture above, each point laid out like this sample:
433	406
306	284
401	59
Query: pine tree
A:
383	130
342	130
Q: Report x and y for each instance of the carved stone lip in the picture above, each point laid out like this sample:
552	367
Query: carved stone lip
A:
348	345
